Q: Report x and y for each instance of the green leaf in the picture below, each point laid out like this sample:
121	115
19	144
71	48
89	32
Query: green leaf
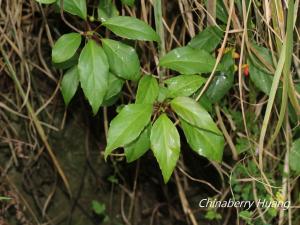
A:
138	147
148	90
223	80
259	74
65	47
295	156
205	103
98	207
73	61
93	70
261	79
115	85
106	10
207	39
123	59
192	112
165	144
222	14
184	85
221	11
246	215
127	125
70	84
75	7
263	54
242	145
187	60
205	143
46	1
128	2
131	28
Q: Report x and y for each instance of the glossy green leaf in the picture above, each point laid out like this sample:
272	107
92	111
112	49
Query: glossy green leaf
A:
75	7
295	156
127	125
263	54
46	1
222	81
106	10
111	101
259	74
70	84
131	28
207	39
205	103
123	59
115	85
165	144
65	47
184	85
192	112
67	64
128	2
220	86
262	80
187	60
148	90
93	70
138	147
205	143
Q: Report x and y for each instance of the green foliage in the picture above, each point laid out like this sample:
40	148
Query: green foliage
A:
66	47
147	91
223	80
294	158
75	7
184	85
187	60
213	215
70	84
204	143
115	85
138	147
106	9
207	40
103	65
131	28
98	207
193	113
246	216
127	126
259	74
94	82
244	191
128	2
46	1
123	59
165	144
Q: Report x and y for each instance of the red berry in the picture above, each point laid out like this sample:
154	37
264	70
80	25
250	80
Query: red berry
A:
246	71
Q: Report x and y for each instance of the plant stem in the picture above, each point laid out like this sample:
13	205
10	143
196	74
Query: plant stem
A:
160	31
